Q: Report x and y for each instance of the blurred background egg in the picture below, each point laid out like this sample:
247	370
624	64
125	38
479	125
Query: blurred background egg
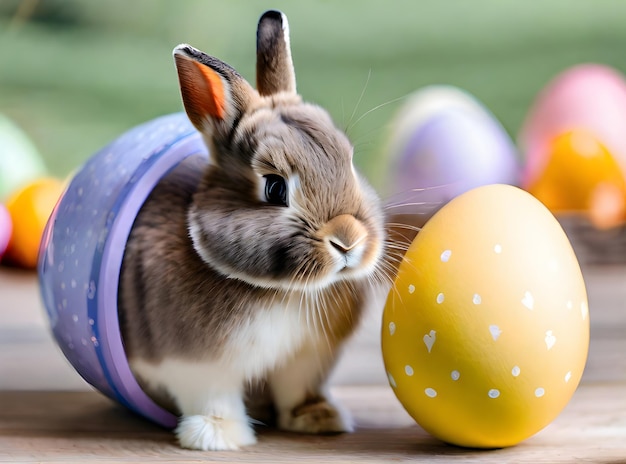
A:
443	143
587	96
581	176
30	208
486	331
20	161
5	229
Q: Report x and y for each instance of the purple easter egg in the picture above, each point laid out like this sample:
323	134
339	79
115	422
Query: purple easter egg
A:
83	246
452	152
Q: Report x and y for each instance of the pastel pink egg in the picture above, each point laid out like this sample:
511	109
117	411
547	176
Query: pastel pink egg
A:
587	96
5	229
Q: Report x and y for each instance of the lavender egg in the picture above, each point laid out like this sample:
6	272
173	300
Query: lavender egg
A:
446	144
83	246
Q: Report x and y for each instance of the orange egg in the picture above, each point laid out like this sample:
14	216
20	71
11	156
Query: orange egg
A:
30	209
582	176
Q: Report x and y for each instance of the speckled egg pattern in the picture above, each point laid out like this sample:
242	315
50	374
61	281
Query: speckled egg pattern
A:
488	315
77	237
527	301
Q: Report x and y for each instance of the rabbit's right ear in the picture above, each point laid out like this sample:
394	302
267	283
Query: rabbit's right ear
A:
274	66
214	94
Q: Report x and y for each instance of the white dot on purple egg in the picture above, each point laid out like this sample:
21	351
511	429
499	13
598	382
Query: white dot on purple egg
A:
64	303
73	283
95	342
61	266
83	341
91	321
91	293
80	191
62	285
75	318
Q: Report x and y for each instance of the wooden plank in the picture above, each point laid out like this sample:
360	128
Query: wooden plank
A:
83	426
39	425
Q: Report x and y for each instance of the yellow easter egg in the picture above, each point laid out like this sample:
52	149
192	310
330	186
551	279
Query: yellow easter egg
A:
486	329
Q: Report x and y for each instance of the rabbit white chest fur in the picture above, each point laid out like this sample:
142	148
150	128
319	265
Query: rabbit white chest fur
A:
262	343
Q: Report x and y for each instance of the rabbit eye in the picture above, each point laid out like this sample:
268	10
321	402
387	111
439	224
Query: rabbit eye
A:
275	190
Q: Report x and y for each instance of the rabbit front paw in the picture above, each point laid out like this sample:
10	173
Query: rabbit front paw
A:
317	417
214	433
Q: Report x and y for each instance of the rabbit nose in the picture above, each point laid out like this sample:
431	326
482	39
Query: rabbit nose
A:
346	234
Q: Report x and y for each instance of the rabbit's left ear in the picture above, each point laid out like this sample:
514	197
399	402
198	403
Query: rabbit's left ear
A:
274	66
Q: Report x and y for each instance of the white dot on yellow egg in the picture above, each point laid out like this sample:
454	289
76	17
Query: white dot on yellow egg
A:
550	339
440	298
411	288
515	371
569	304
539	392
429	340
495	332
392	328
528	300
568	376
497	248
455	375
430	392
493	393
584	310
445	256
392	381
477	299
408	370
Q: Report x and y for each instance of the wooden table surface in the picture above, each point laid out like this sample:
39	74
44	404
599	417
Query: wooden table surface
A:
48	414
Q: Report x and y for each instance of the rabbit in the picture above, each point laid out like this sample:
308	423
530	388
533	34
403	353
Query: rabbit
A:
248	284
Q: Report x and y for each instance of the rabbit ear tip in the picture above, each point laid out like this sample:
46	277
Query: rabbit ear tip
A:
183	50
273	14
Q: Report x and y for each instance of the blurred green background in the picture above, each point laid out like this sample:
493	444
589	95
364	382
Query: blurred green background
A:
75	74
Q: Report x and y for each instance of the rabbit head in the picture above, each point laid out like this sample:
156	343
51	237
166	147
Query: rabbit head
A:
281	204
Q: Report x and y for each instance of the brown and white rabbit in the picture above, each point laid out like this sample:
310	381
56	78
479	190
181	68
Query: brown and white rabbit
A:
259	275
